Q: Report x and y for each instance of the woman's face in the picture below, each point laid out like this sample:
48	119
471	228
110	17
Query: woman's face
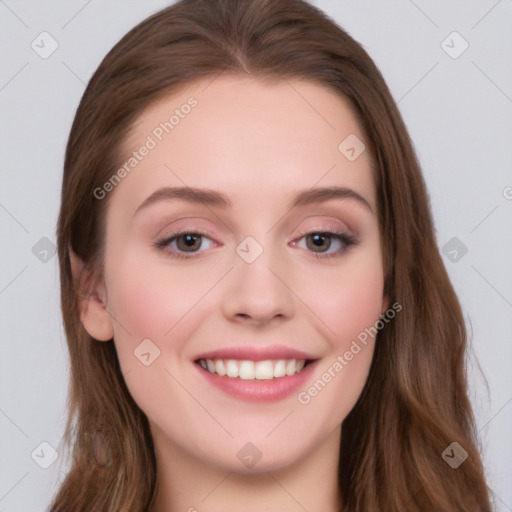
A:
251	174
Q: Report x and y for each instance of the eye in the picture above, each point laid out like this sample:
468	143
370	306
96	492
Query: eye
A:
323	244
326	244
183	242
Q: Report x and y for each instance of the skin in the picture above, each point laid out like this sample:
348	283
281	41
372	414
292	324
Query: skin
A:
259	143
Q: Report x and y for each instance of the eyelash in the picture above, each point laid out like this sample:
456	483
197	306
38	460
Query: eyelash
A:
345	238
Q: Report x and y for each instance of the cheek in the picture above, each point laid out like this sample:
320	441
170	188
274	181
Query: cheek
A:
354	307
149	297
158	303
350	300
150	301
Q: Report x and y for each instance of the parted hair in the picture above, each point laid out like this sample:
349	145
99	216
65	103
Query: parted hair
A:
415	401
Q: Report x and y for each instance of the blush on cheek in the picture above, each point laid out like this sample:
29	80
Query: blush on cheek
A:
153	303
142	309
144	298
351	308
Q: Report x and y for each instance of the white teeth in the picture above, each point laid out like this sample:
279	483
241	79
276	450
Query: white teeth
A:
280	368
251	370
231	368
264	370
219	367
290	367
246	370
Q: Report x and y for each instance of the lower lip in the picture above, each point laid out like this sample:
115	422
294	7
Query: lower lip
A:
269	390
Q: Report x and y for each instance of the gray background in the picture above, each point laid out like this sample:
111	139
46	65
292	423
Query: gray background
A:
458	111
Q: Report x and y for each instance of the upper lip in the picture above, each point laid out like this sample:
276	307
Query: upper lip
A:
255	353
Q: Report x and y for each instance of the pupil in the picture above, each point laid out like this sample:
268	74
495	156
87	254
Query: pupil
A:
190	241
319	239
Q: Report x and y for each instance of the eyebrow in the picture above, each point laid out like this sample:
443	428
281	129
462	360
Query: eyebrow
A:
213	198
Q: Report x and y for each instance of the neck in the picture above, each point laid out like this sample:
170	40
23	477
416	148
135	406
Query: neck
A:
186	484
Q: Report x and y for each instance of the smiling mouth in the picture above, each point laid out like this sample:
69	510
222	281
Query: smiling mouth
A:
254	370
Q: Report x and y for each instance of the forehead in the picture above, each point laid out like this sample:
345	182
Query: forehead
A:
246	137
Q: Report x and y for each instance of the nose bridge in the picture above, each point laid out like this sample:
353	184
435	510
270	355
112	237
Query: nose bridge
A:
256	287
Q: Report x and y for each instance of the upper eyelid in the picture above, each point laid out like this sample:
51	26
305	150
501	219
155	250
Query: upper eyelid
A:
333	225
178	233
166	239
327	229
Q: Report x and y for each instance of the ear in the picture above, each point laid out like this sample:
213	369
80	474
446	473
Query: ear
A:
92	300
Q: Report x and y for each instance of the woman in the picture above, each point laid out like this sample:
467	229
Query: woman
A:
256	310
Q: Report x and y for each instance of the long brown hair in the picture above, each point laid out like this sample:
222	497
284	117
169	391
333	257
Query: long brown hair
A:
415	402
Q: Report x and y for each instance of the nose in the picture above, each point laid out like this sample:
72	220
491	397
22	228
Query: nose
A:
259	293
